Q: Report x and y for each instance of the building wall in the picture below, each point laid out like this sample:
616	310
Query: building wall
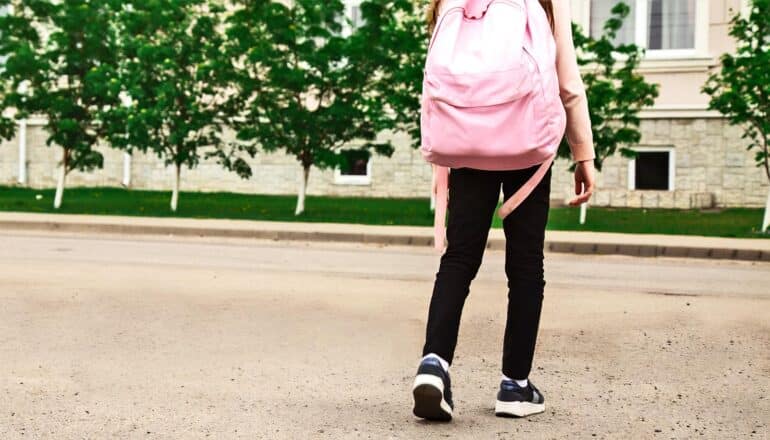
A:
681	75
712	169
405	174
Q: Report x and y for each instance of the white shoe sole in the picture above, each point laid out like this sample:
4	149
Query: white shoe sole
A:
429	403
518	409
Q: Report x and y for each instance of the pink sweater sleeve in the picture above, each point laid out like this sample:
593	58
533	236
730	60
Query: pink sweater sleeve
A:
572	90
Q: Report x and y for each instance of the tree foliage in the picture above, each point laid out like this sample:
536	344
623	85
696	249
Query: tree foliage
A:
173	82
12	28
616	92
60	57
396	33
302	85
741	89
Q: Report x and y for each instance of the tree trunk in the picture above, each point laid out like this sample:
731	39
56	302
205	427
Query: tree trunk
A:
303	178
127	169
433	191
766	220
23	152
583	212
175	191
60	182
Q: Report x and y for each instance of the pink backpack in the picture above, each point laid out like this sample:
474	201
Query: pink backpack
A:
490	95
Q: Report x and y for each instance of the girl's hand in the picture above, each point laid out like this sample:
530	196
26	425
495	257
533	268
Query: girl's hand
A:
584	182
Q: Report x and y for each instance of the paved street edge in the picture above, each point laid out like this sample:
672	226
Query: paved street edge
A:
617	244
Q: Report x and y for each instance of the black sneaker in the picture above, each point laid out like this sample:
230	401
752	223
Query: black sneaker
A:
432	392
516	401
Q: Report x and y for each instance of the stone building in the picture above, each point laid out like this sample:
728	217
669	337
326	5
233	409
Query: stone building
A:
689	157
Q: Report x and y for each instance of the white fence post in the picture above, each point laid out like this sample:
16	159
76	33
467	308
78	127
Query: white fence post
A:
127	169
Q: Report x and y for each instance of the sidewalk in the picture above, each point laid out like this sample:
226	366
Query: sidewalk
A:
645	245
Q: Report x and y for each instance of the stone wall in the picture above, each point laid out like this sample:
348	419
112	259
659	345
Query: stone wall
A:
405	174
712	168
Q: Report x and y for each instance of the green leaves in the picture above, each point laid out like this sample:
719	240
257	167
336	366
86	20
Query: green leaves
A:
63	76
168	76
301	86
394	41
169	72
616	93
741	89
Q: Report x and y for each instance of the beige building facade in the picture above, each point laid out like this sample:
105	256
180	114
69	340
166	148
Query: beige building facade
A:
689	157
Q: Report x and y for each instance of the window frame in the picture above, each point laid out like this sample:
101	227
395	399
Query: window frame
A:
347	30
641	31
354	180
671	167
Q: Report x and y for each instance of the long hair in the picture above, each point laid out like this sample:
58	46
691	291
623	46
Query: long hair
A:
432	13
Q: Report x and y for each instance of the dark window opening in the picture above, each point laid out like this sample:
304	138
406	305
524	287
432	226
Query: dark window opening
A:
652	169
355	163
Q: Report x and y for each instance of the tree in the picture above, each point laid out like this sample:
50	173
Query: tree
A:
397	36
10	28
61	74
302	86
172	76
616	92
741	89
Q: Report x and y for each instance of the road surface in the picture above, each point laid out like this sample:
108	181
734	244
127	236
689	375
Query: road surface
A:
162	337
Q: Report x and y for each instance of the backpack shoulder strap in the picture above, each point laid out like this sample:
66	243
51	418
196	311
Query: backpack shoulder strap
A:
441	181
476	8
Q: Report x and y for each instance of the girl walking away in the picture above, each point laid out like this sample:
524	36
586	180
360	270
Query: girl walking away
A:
501	88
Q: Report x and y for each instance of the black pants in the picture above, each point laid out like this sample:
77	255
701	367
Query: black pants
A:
473	198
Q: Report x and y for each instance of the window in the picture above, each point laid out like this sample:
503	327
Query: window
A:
357	161
652	169
663	27
671	24
354	14
357	169
353	18
601	11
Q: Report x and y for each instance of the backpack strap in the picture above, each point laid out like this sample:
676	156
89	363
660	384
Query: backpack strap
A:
475	9
441	176
522	193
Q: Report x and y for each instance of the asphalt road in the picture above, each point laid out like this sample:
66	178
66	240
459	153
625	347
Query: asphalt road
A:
118	337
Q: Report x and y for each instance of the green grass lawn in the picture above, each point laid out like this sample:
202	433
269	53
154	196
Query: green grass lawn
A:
737	222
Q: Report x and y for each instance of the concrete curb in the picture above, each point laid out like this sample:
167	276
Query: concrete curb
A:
640	250
556	241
